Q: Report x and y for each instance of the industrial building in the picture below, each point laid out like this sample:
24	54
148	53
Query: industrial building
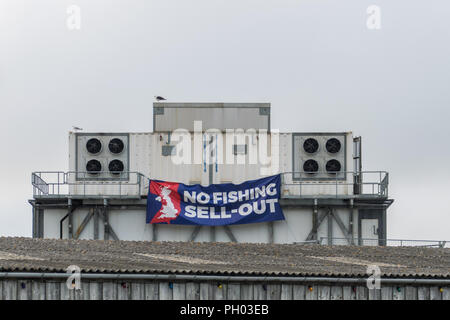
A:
92	218
36	269
326	196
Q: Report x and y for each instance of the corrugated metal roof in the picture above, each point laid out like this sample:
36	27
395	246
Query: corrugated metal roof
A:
48	255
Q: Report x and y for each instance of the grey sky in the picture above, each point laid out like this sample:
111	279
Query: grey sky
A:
315	61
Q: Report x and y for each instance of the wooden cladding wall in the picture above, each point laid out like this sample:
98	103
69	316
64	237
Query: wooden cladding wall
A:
16	289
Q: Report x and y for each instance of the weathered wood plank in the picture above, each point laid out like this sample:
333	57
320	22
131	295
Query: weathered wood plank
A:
206	291
286	291
336	293
165	292
38	290
109	290
386	292
95	290
137	291
435	294
324	292
83	293
274	291
423	293
151	291
374	294
24	290
9	290
220	291
1	290
311	292
192	291
298	292
362	293
446	293
233	291
349	293
398	293
123	291
246	291
53	290
66	294
259	292
411	293
179	291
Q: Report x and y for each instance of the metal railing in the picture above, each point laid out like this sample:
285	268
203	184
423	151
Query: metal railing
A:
364	183
384	242
294	184
88	184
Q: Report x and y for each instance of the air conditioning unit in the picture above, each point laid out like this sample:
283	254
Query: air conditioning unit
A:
102	156
319	156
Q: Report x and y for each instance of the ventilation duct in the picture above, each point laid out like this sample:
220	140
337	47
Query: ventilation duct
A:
310	145
116	145
333	145
104	156
93	166
333	166
116	166
94	146
319	156
310	166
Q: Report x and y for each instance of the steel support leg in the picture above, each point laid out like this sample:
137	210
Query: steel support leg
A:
105	219
70	221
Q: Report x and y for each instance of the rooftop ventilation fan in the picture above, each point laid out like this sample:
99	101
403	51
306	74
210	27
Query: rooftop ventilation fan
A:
93	146
333	145
310	145
310	166
116	146
116	166
93	166
333	166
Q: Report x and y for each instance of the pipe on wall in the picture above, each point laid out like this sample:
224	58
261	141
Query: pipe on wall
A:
187	277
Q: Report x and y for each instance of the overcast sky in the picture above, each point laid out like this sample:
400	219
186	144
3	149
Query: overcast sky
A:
315	61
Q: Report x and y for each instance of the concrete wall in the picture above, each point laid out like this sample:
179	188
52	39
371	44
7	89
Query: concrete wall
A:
26	289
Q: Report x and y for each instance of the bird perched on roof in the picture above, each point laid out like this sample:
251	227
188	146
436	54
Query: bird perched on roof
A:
76	128
159	98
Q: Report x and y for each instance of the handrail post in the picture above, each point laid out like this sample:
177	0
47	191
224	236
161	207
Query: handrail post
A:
120	187
387	184
300	182
139	180
336	182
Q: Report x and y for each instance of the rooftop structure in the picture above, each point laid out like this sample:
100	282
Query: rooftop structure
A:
325	194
